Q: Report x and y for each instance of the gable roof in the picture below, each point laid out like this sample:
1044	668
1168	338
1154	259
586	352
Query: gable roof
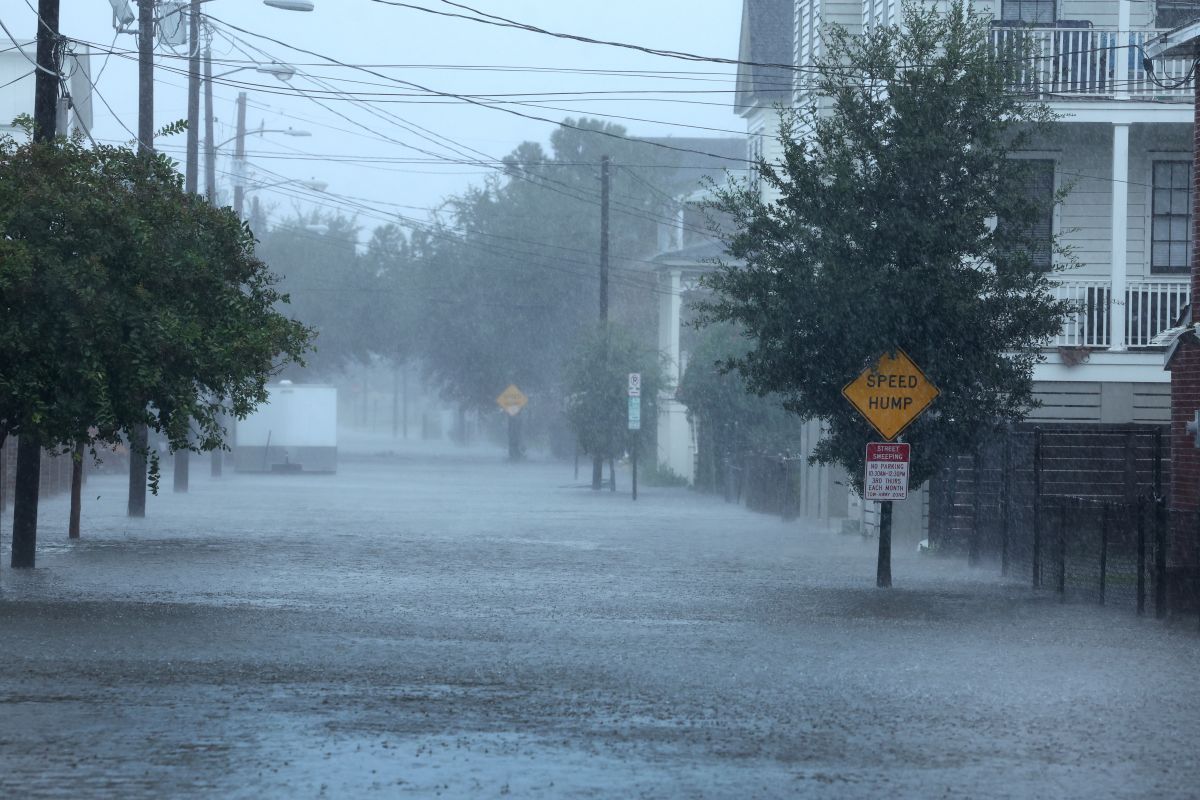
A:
768	37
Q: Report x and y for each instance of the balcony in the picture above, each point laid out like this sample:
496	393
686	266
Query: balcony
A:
1150	307
1089	63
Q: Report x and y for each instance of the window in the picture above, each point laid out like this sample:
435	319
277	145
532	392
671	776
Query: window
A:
754	154
1029	12
1171	217
1173	13
1037	186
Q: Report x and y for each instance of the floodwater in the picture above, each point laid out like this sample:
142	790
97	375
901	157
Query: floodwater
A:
440	623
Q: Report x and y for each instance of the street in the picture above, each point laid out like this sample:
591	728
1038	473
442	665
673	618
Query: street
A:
437	622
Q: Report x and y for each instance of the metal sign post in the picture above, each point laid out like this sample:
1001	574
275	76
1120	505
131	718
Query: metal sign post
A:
891	394
511	401
635	420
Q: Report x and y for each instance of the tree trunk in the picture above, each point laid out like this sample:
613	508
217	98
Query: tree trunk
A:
182	468
137	471
597	472
76	491
25	501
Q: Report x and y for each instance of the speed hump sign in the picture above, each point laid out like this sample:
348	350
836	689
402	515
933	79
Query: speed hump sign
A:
891	394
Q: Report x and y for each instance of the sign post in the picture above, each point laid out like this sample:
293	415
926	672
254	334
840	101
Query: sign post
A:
891	394
511	401
635	420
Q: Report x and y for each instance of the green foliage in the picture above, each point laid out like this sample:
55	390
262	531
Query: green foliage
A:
510	280
732	419
882	236
656	474
596	380
127	301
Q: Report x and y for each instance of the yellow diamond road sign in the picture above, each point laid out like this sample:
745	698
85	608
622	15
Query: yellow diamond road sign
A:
512	400
891	394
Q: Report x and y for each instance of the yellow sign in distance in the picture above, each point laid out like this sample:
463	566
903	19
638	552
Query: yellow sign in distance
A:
891	394
512	400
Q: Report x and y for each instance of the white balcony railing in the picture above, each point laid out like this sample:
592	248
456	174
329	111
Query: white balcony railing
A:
1150	307
1088	62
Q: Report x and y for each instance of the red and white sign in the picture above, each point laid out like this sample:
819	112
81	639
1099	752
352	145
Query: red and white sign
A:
887	471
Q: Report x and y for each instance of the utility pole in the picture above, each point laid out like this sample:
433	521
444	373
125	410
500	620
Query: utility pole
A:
210	152
598	458
29	449
604	203
138	439
239	157
191	178
217	457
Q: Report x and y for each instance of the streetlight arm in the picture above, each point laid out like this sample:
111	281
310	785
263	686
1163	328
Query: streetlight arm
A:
286	131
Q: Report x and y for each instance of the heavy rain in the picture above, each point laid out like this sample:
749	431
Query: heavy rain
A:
734	399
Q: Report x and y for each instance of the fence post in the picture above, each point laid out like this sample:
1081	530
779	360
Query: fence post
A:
785	466
1037	508
976	515
1104	550
1062	551
1005	488
1160	557
1141	554
1160	531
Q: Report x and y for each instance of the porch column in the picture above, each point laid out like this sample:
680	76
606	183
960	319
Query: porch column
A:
1121	53
669	309
673	431
1120	234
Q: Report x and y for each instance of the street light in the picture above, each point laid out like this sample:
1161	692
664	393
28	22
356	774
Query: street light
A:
259	131
312	184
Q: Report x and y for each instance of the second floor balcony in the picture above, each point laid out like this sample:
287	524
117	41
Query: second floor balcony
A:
1148	308
1081	63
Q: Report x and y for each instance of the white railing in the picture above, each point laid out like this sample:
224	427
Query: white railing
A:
1151	306
1088	62
1088	325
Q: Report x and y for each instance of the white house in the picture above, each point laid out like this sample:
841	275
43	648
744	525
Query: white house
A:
1122	146
16	87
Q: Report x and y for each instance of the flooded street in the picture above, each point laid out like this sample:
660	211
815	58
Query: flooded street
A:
440	623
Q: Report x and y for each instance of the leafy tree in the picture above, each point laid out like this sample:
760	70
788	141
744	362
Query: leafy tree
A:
882	236
127	302
329	286
510	279
731	419
596	380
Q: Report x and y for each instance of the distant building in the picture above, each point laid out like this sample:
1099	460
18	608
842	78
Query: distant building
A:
17	80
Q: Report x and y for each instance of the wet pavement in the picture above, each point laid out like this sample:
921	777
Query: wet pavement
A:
439	623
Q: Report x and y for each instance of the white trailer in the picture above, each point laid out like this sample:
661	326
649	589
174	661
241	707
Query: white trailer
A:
294	431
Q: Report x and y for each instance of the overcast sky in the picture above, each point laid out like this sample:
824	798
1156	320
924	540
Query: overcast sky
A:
361	32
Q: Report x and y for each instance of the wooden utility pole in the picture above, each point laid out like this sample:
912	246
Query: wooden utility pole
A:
239	157
138	438
598	458
217	457
191	178
29	450
605	182
210	152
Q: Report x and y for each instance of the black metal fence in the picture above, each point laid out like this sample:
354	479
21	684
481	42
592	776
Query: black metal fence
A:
764	482
1078	509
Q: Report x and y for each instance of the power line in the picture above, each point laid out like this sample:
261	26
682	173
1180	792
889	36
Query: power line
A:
470	101
484	18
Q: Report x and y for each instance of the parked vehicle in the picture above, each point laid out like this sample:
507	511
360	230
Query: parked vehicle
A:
294	431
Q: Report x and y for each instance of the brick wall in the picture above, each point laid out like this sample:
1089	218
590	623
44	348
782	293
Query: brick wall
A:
1185	457
1183	545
